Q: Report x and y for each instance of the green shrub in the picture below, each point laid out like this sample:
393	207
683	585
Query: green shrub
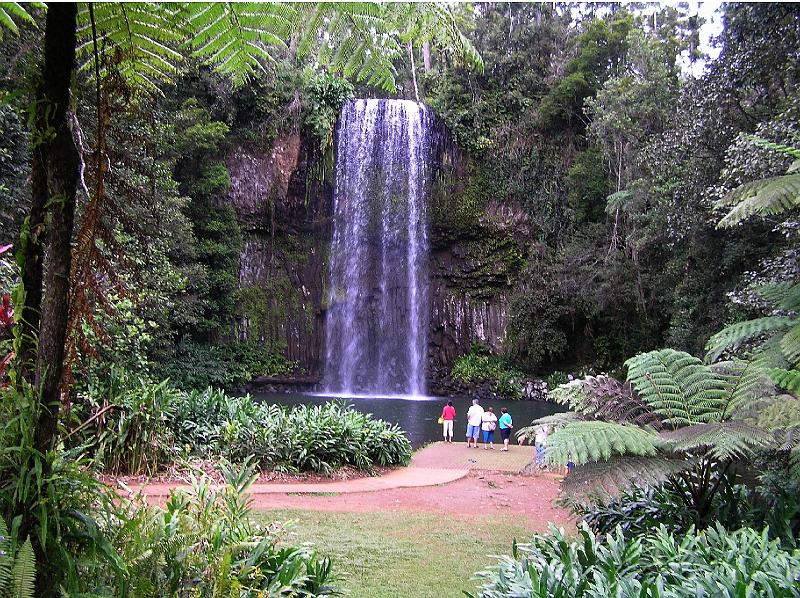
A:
714	562
479	365
319	438
196	366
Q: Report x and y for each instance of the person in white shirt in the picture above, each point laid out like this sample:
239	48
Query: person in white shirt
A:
474	418
540	442
488	424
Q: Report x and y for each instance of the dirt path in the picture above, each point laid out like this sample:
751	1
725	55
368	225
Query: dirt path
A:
442	478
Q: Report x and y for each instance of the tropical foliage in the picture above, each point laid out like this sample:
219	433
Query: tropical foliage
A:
673	414
713	562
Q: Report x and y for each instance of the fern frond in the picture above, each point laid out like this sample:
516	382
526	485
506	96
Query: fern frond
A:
598	482
571	394
764	197
746	387
23	574
6	558
677	386
555	421
236	37
11	10
786	379
618	201
733	336
585	442
784	295
137	39
724	440
782	413
790	345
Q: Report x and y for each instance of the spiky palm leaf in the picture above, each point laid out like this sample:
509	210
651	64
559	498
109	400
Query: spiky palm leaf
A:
677	386
591	441
600	481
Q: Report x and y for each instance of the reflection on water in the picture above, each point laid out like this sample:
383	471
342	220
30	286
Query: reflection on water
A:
418	415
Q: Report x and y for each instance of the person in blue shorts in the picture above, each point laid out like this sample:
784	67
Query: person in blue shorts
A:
474	417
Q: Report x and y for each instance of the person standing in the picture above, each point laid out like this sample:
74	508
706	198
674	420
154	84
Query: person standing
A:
448	415
506	424
474	418
540	440
489	425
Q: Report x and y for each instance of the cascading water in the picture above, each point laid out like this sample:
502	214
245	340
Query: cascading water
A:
376	326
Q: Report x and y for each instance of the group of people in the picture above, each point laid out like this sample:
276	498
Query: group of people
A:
479	421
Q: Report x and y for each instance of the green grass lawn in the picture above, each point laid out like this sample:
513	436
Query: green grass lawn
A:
403	555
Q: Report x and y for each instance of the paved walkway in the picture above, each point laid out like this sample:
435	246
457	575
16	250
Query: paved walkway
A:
436	464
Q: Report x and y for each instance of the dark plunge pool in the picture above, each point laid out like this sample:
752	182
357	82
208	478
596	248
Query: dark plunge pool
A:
418	416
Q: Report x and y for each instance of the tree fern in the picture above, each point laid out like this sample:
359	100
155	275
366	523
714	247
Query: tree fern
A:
5	557
555	421
783	295
589	441
677	386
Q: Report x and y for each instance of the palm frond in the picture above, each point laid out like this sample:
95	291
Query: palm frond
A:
723	440
585	442
598	482
677	386
733	336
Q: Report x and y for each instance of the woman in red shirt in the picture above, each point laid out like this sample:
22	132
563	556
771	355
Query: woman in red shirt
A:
448	415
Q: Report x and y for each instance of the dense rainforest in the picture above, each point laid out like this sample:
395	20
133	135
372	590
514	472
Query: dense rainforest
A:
607	198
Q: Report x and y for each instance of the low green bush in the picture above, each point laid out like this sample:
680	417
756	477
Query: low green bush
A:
195	367
479	365
138	426
713	562
319	438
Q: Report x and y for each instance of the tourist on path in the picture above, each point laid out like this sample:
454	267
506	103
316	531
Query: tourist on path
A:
505	427
488	424
448	415
540	442
474	418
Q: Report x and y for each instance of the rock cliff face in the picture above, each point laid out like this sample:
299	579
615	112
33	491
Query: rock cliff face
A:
283	200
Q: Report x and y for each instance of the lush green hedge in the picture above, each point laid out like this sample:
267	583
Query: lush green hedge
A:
195	367
151	424
714	562
479	365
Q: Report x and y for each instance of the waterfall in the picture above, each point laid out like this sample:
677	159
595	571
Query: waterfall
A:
377	316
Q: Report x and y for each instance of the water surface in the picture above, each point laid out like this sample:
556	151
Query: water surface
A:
418	415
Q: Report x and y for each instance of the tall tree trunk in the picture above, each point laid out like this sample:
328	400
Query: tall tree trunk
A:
61	163
413	71
426	56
